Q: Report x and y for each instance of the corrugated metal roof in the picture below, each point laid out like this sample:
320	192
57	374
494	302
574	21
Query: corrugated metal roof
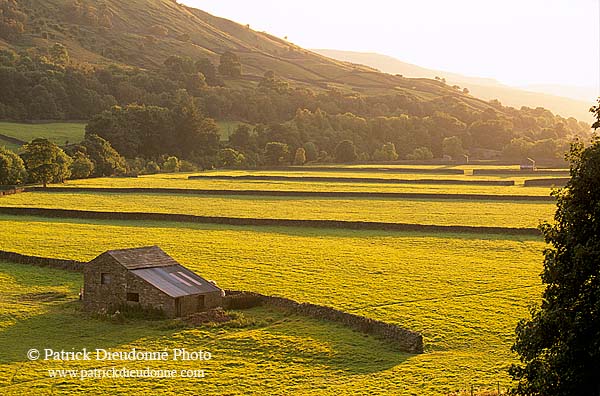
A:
175	280
144	257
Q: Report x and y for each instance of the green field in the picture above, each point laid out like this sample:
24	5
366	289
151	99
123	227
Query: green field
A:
57	132
39	308
180	180
465	167
463	292
413	211
518	179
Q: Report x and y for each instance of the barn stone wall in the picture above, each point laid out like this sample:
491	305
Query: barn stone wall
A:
108	297
213	300
150	297
97	297
188	305
191	304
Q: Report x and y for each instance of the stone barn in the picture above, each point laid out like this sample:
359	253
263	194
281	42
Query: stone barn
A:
146	277
528	164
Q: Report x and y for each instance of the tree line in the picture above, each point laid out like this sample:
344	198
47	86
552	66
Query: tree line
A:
169	111
41	161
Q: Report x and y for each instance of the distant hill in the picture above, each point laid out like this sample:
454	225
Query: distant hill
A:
587	94
143	33
481	87
169	67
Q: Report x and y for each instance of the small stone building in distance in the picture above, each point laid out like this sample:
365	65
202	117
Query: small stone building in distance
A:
528	164
146	277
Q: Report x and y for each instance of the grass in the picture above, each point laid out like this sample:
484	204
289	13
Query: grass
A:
275	352
379	175
180	180
226	128
57	132
465	293
464	167
9	145
442	212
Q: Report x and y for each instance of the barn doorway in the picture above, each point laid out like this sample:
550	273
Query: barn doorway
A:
200	303
178	306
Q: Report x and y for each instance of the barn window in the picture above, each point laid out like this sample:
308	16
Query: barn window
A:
134	297
105	278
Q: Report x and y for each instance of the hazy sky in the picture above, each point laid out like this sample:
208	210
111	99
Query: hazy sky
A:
518	42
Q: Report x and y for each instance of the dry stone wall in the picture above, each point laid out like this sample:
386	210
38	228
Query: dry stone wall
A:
403	339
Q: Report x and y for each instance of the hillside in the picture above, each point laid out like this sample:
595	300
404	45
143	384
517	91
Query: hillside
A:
484	88
574	92
170	67
143	33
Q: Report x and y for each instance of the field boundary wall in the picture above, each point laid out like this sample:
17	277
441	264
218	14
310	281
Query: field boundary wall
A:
241	221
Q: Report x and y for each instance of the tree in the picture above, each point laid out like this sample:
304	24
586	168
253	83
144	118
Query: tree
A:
206	67
107	161
135	166
12	168
596	111
276	153
229	158
491	134
387	153
230	65
171	164
82	166
559	346
46	162
186	166
345	151
420	154
43	104
242	138
300	156
152	131
518	149
134	130
271	82
547	149
184	70
192	136
311	151
452	146
151	168
179	66
59	54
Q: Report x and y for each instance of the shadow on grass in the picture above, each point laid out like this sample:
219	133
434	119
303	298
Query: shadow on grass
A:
43	304
283	339
47	314
296	339
64	327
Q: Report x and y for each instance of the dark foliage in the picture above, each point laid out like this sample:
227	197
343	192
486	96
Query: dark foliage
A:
152	131
559	346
